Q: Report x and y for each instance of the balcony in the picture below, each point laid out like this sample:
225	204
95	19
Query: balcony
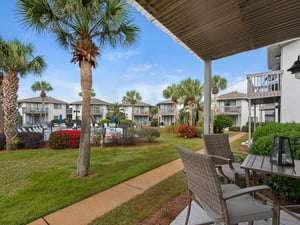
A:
264	88
34	111
141	112
97	111
166	112
231	110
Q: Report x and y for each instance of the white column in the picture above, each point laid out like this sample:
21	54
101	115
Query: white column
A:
249	123
207	96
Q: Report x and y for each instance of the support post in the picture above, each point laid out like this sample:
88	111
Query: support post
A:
249	123
207	96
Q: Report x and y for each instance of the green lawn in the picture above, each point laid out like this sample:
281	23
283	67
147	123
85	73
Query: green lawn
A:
37	182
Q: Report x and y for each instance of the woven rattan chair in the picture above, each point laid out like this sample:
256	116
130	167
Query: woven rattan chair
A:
225	203
217	145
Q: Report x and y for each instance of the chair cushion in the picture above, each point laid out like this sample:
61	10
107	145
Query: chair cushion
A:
246	208
228	172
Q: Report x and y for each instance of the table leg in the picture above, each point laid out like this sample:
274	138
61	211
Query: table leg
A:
247	177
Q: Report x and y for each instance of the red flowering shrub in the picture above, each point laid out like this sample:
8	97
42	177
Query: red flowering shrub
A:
62	139
187	131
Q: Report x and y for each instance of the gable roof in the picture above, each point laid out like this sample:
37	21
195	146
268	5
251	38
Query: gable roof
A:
165	102
94	101
233	95
39	100
212	29
136	104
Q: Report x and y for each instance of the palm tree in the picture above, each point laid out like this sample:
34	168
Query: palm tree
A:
93	93
218	83
132	97
190	90
15	59
117	111
43	87
173	93
1	104
79	25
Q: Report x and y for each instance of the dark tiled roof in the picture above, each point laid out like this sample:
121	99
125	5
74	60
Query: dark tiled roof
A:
136	104
94	101
233	95
165	102
39	100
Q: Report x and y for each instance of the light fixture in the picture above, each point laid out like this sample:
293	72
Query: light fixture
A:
295	68
281	154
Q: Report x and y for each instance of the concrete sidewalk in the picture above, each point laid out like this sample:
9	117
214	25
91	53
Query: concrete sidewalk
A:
85	211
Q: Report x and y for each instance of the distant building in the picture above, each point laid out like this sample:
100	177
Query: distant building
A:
235	105
99	109
141	112
31	110
166	114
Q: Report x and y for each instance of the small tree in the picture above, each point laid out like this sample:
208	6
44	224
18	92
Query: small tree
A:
222	121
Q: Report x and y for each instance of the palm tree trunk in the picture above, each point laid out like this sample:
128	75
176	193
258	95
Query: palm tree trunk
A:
190	113
42	110
216	106
175	113
10	90
132	113
1	104
83	163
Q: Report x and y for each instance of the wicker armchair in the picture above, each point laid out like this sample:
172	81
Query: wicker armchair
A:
225	203
217	145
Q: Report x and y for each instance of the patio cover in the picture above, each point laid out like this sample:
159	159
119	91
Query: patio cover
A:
212	29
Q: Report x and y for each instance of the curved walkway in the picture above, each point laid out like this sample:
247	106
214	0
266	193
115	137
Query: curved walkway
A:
85	211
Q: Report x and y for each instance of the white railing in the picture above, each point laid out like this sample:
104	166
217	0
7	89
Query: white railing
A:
229	109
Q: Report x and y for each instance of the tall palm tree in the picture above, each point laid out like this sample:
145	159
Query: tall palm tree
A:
218	83
43	87
93	93
172	92
16	59
1	104
190	90
132	97
117	111
80	25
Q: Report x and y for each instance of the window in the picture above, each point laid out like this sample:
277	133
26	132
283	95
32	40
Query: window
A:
57	106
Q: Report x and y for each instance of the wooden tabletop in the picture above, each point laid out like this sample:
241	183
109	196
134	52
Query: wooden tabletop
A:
262	164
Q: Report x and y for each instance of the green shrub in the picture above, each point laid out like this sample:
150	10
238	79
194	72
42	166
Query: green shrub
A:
222	121
172	129
235	129
31	140
262	145
123	141
245	128
199	131
149	133
154	123
62	139
102	122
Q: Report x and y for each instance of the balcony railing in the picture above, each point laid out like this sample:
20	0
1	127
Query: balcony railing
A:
166	111
229	109
97	111
264	85
141	112
34	111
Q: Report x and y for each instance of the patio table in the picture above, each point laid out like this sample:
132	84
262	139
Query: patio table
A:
258	163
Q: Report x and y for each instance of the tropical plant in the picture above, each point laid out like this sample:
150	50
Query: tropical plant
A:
218	83
62	139
149	133
153	111
16	59
190	90
43	87
132	97
115	111
187	131
172	92
79	25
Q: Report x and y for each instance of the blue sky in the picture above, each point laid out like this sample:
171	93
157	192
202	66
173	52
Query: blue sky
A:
148	67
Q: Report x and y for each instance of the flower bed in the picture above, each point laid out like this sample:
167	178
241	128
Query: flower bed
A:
187	131
62	139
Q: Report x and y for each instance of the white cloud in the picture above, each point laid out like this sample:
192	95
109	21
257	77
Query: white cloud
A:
141	68
129	76
116	56
239	85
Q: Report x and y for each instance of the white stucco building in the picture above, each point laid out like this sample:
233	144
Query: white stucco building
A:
141	112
